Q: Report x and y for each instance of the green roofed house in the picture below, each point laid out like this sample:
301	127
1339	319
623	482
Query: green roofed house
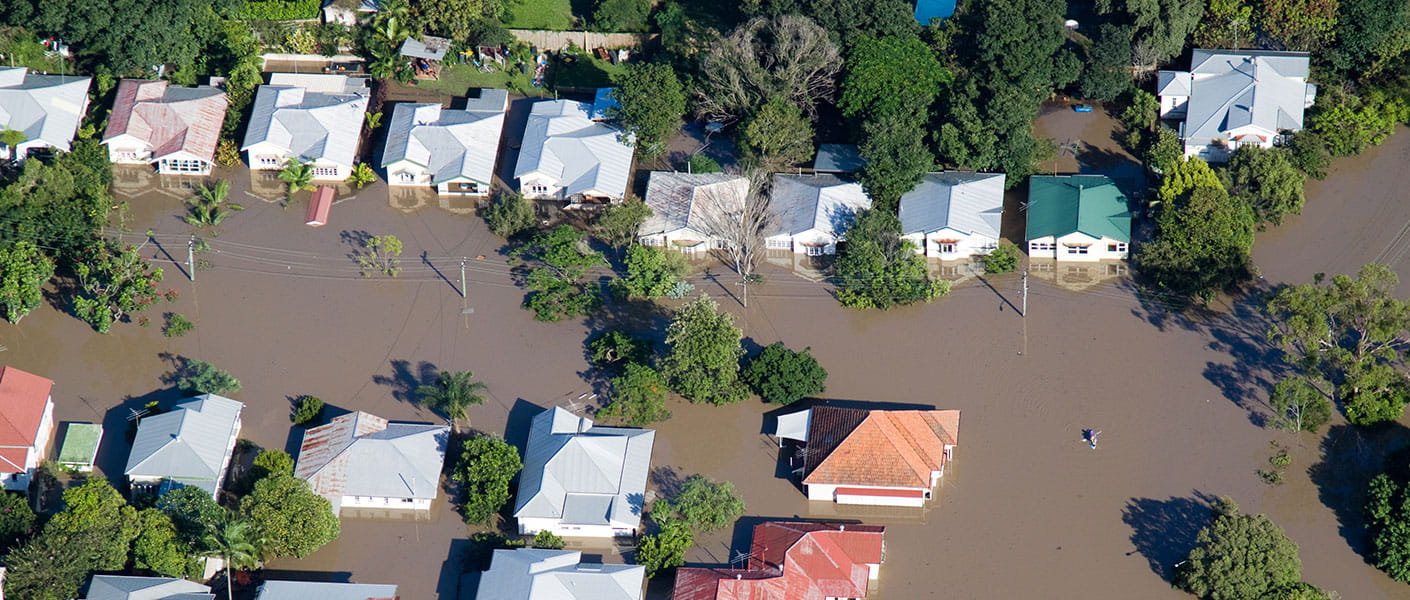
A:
80	446
1080	218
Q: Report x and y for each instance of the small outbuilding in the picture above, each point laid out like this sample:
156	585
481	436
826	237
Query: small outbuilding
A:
80	447
319	206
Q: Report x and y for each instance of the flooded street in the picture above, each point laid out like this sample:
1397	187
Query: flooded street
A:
1026	510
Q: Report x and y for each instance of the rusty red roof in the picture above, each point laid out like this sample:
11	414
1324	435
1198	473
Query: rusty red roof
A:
792	561
167	119
23	398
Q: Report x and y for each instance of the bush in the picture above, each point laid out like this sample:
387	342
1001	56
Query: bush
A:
782	376
16	520
309	410
1239	557
617	348
201	377
699	163
1003	259
227	153
621	15
666	548
280	10
547	540
484	470
177	325
510	214
272	461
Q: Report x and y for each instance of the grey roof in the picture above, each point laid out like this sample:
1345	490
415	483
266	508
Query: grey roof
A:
360	454
430	48
562	142
48	108
533	574
451	144
317	590
190	444
971	203
691	200
838	158
583	474
1234	88
309	124
120	587
824	202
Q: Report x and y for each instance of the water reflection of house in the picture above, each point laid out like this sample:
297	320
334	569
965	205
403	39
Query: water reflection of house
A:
811	213
812	268
689	211
955	271
131	181
1077	277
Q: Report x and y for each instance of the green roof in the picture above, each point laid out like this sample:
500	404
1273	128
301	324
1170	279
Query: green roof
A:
1063	204
80	443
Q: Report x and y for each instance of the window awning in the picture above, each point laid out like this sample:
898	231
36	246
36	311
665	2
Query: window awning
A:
947	241
794	426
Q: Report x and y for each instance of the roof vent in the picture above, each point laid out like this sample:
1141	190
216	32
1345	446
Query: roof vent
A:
738	576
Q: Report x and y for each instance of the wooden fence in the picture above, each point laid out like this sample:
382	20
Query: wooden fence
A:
558	40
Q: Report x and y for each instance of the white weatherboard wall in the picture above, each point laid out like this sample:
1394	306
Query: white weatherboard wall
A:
964	245
531	526
409	504
828	493
1070	248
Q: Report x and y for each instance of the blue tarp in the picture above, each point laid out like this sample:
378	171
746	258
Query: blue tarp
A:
930	9
601	102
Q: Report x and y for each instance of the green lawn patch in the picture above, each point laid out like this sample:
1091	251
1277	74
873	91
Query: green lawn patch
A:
556	15
581	70
456	79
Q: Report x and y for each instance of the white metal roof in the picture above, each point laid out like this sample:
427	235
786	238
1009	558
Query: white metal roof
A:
360	454
535	574
1231	89
121	587
584	474
191	443
450	144
970	203
307	124
823	202
563	143
691	200
47	108
318	590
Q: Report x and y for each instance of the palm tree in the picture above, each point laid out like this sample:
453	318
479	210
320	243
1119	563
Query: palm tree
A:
452	393
299	176
238	544
362	175
374	120
206	207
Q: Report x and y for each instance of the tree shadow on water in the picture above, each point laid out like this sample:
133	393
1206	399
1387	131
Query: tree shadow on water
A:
1351	457
1255	364
405	378
1164	531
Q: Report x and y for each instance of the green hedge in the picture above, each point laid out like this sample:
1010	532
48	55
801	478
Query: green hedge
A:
280	10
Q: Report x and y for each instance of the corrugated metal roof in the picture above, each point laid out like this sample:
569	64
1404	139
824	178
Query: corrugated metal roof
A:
825	202
23	398
191	443
120	587
568	456
792	561
691	200
429	47
317	590
562	142
1230	89
80	443
360	454
450	144
971	203
1063	204
603	102
535	574
838	158
168	119
306	124
1172	83
47	108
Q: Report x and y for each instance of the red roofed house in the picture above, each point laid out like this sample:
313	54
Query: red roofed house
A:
876	457
26	425
175	127
793	561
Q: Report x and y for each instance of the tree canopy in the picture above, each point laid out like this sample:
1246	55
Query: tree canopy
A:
288	518
877	269
1267	180
787	57
706	506
783	376
24	268
777	136
556	262
702	354
485	467
638	396
1239	557
651	272
650	104
1201	244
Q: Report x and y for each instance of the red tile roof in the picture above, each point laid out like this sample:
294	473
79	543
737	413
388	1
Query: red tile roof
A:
23	397
792	561
176	124
885	448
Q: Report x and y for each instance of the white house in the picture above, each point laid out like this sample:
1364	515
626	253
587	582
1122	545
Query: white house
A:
1231	98
47	109
811	213
1081	218
174	127
315	119
360	460
190	445
451	149
26	425
580	480
953	215
126	587
566	155
539	574
324	590
689	211
873	457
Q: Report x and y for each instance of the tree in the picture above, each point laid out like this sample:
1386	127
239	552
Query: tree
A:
561	259
288	518
618	348
452	394
651	272
618	224
298	175
1201	244
1108	74
1298	24
194	514
115	281
547	540
380	254
1185	176
1266	180
782	376
787	57
16	520
850	20
201	377
97	512
1239	557
650	104
703	505
1388	519
130	35
1003	258
362	174
51	566
738	217
208	208
777	136
509	214
1299	405
638	396
621	15
1374	393
666	548
702	355
238	544
1347	124
158	547
24	268
896	156
1370	35
486	466
889	76
1160	28
11	139
878	269
310	409
1164	150
456	19
1226	24
271	462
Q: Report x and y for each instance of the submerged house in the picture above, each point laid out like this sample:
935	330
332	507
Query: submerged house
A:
1081	218
794	561
175	128
691	211
190	445
581	480
539	574
26	425
568	156
315	119
360	460
811	213
1232	98
952	215
45	110
320	590
453	150
124	587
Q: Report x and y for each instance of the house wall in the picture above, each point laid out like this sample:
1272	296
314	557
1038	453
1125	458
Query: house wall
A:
229	452
532	525
128	150
668	240
184	163
268	157
811	242
415	504
460	187
828	493
540	187
967	246
407	173
1174	107
1066	248
36	453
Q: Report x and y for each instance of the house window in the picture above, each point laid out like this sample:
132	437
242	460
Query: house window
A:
408	500
946	247
1116	247
1076	249
538	189
405	177
268	161
325	171
127	156
1041	246
816	250
784	244
719	244
184	166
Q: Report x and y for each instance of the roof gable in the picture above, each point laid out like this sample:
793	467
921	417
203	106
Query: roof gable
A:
191	442
539	574
1065	204
47	108
452	144
23	400
792	561
306	124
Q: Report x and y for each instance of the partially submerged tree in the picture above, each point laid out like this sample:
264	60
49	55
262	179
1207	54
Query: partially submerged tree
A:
1240	557
706	506
200	377
1298	405
618	224
380	254
783	376
878	269
288	518
651	273
116	281
1267	180
557	261
210	206
509	214
739	216
638	397
484	469
702	356
452	394
24	268
1202	244
298	176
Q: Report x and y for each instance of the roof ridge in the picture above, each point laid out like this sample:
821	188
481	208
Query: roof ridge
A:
894	432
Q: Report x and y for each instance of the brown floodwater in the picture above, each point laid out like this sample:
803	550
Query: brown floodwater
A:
1026	509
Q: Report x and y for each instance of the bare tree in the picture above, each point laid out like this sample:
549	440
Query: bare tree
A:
785	57
739	218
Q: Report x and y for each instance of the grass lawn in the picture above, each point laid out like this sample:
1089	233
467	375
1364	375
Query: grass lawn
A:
459	78
541	14
581	70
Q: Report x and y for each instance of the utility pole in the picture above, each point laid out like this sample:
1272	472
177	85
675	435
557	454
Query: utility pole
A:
190	257
744	283
462	277
1024	312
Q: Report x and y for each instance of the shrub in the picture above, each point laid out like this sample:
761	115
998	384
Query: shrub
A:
699	163
309	410
1003	259
201	377
547	540
177	325
227	153
280	10
510	214
782	376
